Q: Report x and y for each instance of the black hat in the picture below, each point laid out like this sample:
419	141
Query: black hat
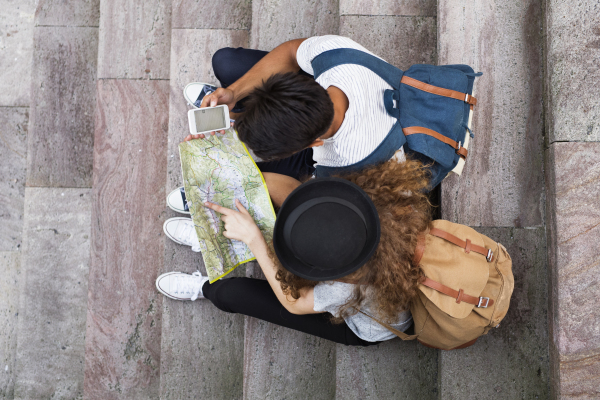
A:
326	229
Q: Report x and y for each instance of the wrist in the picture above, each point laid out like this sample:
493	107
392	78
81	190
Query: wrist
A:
256	243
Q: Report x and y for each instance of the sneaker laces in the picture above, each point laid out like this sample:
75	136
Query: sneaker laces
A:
190	285
186	233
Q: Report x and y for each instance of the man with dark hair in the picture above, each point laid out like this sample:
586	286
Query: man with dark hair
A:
293	121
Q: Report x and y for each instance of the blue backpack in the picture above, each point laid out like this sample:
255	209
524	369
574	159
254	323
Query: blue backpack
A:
431	103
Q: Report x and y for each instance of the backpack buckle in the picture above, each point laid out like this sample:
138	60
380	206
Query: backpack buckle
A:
481	299
490	255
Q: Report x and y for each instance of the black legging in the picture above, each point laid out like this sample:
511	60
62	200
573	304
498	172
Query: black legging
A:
255	298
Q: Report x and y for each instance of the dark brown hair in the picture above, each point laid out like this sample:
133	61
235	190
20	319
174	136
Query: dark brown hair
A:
284	115
398	192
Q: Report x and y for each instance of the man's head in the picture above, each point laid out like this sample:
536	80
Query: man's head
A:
284	115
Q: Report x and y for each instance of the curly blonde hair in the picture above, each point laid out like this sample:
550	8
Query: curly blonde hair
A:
398	190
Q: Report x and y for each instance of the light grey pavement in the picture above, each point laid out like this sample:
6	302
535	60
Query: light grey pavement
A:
52	302
572	47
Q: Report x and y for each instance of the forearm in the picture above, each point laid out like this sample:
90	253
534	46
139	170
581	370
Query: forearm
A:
281	59
303	305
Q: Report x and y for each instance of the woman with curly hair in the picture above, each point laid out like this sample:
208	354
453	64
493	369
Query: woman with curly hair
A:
340	246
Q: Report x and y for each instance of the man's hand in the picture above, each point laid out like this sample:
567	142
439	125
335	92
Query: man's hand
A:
218	97
202	135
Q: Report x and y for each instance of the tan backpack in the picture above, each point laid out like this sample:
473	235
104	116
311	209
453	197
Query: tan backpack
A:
466	289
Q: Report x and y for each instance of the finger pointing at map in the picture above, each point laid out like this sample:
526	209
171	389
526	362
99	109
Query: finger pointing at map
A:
239	225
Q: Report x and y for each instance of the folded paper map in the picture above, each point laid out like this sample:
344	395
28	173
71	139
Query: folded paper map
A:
219	169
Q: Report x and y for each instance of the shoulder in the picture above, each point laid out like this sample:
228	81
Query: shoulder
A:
316	45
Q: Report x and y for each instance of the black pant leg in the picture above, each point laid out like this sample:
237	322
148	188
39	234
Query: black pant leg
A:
299	166
255	298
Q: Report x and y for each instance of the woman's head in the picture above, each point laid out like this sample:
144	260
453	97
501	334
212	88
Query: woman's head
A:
398	192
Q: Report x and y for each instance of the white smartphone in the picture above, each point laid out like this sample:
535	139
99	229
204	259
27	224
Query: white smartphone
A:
208	119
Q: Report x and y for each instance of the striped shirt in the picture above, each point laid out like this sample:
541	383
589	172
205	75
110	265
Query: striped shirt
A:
366	122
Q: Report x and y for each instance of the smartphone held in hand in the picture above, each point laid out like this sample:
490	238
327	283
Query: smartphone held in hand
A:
208	119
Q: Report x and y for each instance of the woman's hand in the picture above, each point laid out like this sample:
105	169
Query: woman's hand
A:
239	225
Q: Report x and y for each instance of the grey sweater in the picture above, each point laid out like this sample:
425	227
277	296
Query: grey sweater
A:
330	296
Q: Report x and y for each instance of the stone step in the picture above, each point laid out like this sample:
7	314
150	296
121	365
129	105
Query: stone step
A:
502	189
53	295
511	361
13	168
291	364
402	33
573	236
124	309
202	346
10	282
131	126
60	140
502	182
277	21
16	29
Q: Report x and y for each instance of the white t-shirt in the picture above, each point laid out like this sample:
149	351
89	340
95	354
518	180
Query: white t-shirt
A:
330	296
366	122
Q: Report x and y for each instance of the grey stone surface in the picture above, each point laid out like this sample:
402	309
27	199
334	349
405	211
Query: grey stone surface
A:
572	71
224	14
510	362
202	347
390	370
426	8
61	133
16	50
502	182
135	38
10	279
401	41
13	167
283	363
191	66
277	21
573	209
122	357
53	298
68	13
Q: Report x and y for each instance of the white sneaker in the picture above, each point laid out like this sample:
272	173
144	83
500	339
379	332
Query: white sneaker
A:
181	230
181	286
194	92
177	202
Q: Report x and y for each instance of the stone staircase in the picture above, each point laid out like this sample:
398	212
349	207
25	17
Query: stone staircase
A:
91	114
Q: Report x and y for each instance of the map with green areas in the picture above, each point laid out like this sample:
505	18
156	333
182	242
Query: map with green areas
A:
219	169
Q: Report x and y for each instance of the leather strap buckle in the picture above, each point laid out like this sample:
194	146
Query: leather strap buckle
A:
490	255
481	299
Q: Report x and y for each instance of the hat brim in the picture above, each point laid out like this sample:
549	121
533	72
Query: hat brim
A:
321	187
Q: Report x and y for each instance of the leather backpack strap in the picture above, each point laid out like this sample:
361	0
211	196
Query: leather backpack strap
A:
480	302
395	331
419	250
467	245
460	150
453	94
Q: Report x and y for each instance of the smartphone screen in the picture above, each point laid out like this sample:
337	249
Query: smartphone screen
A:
209	119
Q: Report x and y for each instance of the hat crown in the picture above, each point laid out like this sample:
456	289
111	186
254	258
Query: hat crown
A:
326	229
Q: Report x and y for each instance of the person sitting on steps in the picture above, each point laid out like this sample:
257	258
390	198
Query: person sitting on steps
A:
340	246
293	122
